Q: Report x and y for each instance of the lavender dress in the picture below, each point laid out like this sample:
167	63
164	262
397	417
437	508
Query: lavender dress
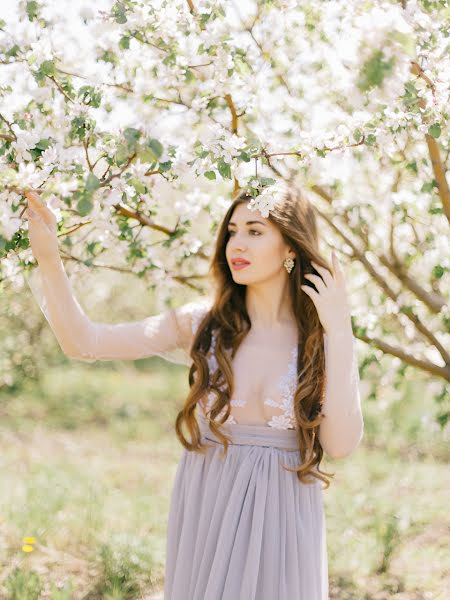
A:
242	527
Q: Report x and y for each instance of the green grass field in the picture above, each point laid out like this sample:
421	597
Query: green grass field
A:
87	465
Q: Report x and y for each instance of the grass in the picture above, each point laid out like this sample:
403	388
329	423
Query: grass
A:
88	460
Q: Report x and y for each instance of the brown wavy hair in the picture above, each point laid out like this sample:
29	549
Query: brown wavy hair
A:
294	215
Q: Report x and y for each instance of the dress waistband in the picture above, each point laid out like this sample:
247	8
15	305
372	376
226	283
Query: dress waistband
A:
252	435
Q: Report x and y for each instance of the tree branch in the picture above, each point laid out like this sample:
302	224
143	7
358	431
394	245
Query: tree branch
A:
184	279
434	301
191	6
13	137
409	359
433	147
360	255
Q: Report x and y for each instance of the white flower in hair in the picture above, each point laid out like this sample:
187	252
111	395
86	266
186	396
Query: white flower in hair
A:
268	198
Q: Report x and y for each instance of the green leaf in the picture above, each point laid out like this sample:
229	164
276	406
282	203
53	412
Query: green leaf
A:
138	185
210	174
224	169
132	136
93	247
89	95
189	76
244	156
156	148
428	186
438	271
85	205
443	418
267	181
145	155
124	42
118	12
435	130
43	144
92	183
78	127
48	68
32	9
165	166
374	71
357	135
170	59
121	155
412	166
13	51
370	140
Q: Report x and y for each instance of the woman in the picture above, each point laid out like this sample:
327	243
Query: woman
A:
274	373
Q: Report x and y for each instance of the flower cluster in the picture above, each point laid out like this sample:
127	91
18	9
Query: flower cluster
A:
267	194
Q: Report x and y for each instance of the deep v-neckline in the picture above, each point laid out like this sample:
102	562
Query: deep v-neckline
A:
283	385
286	386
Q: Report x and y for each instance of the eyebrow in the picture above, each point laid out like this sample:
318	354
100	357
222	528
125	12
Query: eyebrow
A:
248	223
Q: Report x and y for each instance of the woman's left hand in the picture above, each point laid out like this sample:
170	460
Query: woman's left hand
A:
331	299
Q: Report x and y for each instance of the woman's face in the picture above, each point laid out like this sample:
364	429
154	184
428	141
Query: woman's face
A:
258	241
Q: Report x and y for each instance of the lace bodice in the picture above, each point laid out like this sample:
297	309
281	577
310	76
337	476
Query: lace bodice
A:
278	407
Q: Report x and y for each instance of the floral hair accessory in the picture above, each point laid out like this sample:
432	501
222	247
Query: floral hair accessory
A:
266	194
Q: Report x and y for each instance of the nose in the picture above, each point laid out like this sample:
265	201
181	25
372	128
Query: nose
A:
237	248
236	244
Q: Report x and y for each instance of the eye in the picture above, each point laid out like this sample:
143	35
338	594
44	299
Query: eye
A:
231	232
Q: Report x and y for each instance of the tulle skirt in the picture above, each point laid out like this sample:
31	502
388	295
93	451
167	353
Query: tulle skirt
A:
241	527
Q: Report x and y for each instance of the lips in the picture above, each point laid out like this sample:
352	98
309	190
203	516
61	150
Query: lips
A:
237	264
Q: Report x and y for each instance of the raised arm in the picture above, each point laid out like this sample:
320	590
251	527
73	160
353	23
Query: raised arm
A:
168	334
342	429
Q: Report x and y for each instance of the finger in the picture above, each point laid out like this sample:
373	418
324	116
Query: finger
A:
34	201
310	292
40	207
32	195
326	275
34	218
339	273
30	214
317	280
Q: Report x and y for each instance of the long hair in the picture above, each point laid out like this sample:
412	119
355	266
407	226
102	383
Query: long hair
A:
228	318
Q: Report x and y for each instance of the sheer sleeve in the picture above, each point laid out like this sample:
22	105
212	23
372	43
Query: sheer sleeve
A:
168	334
342	429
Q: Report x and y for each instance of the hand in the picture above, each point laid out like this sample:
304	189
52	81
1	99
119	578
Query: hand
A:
330	299
42	228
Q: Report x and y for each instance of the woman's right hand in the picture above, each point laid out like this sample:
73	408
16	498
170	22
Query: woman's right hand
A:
42	228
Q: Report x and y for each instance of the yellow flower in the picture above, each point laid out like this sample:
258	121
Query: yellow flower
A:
29	540
27	548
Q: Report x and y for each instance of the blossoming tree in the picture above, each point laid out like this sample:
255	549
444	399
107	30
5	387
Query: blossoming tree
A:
137	139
